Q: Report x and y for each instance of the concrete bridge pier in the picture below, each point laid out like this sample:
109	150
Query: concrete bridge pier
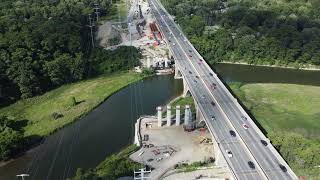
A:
186	91
177	115
187	116
168	115
159	110
219	159
200	121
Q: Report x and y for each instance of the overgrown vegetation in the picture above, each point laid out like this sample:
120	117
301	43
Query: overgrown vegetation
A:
290	115
10	138
184	167
276	32
113	167
45	44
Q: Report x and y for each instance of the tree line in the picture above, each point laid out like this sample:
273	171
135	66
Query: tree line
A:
256	32
45	44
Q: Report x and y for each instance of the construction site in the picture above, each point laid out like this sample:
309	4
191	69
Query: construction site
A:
172	147
141	32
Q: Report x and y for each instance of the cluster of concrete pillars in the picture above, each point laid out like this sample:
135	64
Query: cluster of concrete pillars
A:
187	116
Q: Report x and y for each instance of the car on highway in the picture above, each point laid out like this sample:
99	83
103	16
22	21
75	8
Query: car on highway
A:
229	153
173	44
245	126
200	60
212	103
264	142
283	168
213	118
243	117
210	74
169	40
232	133
190	50
190	55
199	63
251	164
190	72
197	77
203	96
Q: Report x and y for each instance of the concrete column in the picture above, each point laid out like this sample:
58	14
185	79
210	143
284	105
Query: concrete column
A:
159	109
187	115
165	63
177	115
148	62
168	115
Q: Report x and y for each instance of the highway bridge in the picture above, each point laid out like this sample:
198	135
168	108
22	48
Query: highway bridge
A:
243	147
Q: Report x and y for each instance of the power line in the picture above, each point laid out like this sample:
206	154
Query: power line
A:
141	174
91	25
23	175
96	10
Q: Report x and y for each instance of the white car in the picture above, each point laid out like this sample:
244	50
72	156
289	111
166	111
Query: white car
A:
229	153
173	43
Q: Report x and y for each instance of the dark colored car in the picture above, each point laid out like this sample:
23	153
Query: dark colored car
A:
251	165
212	103
197	77
264	142
232	133
283	168
190	72
210	74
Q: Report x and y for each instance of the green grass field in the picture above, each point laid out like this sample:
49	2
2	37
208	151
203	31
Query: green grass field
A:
290	115
89	93
288	107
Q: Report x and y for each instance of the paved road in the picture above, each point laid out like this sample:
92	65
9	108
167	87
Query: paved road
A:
207	89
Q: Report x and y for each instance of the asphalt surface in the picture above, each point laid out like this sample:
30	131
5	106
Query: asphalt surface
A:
228	114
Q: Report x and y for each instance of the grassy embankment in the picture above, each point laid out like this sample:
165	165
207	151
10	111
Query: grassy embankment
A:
290	115
88	94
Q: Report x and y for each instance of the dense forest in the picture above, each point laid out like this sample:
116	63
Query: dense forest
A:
46	43
271	32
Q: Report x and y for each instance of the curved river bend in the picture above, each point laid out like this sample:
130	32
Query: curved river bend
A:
109	127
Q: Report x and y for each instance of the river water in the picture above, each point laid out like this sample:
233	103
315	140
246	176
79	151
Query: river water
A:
109	127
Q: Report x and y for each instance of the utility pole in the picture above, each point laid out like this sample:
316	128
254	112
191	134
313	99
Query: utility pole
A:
91	25
23	175
140	174
96	10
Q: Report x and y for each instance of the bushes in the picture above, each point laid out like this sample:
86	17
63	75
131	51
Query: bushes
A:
113	167
10	139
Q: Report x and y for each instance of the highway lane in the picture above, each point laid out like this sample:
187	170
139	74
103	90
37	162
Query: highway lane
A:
242	169
265	157
272	167
234	114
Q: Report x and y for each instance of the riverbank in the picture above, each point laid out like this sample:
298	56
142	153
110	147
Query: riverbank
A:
307	67
70	102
